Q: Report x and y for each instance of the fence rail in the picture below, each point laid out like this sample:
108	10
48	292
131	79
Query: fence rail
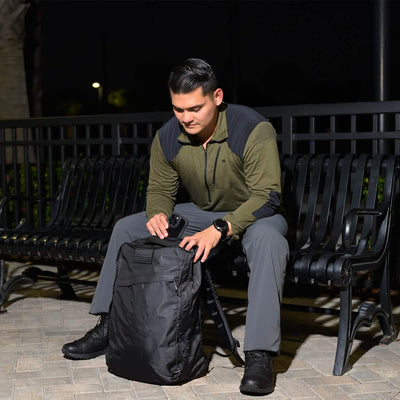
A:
32	151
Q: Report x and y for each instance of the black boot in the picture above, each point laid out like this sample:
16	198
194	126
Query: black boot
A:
92	345
258	378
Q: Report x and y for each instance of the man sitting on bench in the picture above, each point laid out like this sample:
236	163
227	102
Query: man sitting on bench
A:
226	156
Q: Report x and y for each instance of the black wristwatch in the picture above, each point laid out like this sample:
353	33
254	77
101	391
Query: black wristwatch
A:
222	226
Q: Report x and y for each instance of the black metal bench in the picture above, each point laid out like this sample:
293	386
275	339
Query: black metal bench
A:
94	193
343	209
340	210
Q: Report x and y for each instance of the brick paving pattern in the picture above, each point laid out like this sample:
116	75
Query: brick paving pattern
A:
37	324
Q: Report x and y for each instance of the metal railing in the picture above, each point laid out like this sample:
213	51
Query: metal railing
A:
32	151
369	127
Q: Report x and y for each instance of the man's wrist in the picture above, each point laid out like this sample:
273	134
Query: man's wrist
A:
230	233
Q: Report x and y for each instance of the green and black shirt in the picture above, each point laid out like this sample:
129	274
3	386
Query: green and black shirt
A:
238	172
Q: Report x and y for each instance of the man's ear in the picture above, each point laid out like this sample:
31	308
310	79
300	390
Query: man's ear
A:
218	96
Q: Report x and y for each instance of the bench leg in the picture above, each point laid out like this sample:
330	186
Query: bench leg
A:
60	278
67	291
344	342
386	319
32	275
367	312
7	285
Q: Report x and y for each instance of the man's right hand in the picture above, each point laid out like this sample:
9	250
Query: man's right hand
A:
158	225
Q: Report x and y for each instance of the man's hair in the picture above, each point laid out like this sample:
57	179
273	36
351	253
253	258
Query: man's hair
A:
192	74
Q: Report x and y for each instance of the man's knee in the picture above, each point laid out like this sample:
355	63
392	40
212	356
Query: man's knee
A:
130	227
265	245
266	236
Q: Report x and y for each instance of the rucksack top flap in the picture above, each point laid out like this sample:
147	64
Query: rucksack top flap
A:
137	265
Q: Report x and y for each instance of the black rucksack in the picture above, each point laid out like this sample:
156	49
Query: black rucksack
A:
155	332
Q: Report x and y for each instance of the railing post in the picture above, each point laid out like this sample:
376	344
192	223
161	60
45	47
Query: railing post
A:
116	138
287	134
381	65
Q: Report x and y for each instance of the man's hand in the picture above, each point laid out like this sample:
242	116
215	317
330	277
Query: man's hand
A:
158	225
204	240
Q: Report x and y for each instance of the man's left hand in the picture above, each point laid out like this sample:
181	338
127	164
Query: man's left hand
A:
204	240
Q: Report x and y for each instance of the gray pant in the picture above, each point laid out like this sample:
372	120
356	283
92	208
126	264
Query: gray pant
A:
266	250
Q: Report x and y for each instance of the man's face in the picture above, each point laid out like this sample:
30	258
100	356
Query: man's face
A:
196	112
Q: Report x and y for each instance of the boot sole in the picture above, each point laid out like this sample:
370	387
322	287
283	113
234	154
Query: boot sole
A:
255	391
74	356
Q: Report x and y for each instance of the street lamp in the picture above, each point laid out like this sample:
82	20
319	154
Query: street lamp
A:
99	88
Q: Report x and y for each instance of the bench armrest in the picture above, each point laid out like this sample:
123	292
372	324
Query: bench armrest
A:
349	221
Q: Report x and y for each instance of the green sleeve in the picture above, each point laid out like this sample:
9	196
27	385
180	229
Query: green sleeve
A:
163	183
263	176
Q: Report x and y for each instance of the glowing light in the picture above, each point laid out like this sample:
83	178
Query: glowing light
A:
96	85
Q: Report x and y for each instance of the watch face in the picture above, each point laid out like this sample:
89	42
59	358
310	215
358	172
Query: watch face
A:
221	224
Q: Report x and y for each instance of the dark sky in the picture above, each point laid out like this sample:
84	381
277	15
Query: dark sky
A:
264	52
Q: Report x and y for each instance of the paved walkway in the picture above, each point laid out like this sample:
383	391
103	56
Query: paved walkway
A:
37	324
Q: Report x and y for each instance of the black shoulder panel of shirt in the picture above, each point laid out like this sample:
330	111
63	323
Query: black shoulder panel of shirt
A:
168	135
241	121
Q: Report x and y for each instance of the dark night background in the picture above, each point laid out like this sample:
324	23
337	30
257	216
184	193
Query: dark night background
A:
264	52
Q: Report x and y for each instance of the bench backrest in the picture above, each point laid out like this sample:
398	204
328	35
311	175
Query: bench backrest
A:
97	191
319	190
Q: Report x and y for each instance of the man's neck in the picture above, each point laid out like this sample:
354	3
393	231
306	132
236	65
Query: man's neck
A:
204	137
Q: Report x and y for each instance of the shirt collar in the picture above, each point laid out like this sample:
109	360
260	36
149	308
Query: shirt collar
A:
221	129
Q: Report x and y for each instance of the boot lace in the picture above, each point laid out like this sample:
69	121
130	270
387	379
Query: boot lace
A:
96	330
